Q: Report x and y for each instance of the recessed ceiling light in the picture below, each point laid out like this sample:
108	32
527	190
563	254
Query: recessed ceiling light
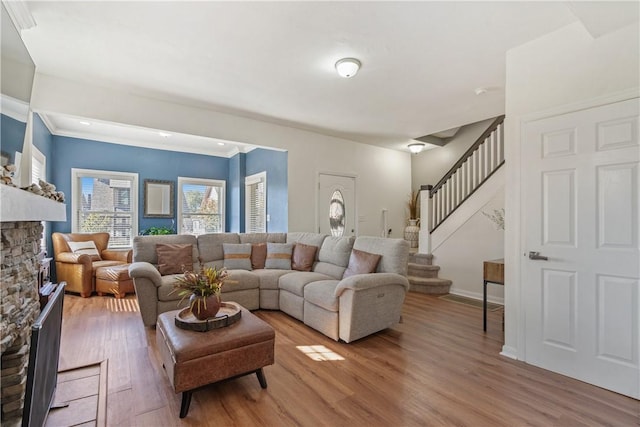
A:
164	134
84	122
221	143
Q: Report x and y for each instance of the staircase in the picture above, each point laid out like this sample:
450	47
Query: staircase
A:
482	160
423	275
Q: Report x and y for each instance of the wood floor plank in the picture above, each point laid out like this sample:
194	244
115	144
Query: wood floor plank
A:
436	368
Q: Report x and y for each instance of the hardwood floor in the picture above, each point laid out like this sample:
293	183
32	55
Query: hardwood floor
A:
437	368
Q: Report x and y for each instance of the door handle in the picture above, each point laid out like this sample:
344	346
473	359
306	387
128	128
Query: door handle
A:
536	255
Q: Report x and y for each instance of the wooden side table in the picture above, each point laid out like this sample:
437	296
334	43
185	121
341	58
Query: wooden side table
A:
493	273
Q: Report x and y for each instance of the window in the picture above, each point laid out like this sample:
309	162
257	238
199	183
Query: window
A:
201	206
256	203
105	201
39	172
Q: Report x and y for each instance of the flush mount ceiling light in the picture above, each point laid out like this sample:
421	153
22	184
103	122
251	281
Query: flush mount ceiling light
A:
347	67
85	123
416	147
164	134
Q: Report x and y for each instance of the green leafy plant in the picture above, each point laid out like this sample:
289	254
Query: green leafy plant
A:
157	231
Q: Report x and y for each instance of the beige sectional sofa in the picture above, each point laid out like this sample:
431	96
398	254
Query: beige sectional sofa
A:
341	308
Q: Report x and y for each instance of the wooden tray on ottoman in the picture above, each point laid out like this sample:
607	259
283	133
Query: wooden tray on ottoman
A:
228	314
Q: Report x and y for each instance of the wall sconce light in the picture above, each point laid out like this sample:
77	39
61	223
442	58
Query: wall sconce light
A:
348	67
416	147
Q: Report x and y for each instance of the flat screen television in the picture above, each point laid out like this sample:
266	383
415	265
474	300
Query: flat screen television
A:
44	353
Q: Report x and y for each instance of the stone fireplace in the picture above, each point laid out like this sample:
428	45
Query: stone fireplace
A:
21	229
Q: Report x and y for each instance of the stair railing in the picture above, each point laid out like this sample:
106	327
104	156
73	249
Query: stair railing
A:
475	166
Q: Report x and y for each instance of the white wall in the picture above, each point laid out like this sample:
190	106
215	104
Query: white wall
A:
383	176
560	72
428	167
461	256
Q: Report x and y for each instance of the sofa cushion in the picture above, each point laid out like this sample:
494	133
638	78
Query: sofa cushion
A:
210	246
322	294
279	256
333	256
311	239
144	247
258	255
237	256
239	280
88	248
269	278
303	257
174	258
263	238
395	253
361	262
296	281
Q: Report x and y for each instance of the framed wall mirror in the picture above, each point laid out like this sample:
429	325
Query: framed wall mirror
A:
159	198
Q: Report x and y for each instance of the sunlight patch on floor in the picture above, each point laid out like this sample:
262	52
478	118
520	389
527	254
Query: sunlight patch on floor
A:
123	304
319	353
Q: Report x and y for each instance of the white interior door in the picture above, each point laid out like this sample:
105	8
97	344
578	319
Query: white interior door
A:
336	205
581	188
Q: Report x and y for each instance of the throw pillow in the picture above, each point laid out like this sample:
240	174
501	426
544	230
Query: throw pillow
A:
279	256
361	262
237	256
303	257
174	258
88	247
258	255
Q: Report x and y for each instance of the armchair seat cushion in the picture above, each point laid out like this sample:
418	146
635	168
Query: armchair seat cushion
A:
322	294
164	291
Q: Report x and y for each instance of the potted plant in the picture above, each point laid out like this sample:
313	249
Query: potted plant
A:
412	231
203	289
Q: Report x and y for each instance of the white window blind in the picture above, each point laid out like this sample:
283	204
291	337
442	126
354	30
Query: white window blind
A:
256	203
106	201
39	172
201	205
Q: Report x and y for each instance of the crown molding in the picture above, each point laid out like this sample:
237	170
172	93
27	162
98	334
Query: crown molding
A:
20	14
14	108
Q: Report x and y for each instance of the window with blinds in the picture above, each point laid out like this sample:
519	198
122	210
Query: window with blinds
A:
105	201
201	206
39	172
256	203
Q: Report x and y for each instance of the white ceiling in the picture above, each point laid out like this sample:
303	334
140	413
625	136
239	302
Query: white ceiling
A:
274	61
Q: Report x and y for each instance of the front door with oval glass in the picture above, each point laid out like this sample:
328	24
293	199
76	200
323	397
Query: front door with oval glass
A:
336	205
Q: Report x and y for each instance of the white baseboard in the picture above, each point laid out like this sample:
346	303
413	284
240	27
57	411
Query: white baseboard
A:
510	352
476	295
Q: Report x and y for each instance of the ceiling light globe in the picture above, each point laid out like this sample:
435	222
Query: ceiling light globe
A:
416	147
347	67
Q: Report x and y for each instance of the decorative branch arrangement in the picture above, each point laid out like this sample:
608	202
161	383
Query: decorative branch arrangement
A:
497	217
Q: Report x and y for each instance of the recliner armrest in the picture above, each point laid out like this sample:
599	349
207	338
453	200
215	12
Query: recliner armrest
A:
73	258
117	255
371	280
145	270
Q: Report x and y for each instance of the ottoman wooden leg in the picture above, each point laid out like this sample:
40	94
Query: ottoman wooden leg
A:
186	401
261	378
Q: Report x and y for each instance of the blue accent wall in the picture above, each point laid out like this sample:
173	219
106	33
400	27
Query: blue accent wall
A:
236	205
148	163
11	136
275	164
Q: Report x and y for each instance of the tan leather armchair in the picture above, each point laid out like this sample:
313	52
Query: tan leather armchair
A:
78	269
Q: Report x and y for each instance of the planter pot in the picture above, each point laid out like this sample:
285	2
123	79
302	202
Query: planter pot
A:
204	307
412	233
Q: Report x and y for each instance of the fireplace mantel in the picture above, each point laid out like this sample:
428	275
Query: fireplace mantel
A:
20	205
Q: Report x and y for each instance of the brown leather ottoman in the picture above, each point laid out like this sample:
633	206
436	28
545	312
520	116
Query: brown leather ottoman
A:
193	359
114	279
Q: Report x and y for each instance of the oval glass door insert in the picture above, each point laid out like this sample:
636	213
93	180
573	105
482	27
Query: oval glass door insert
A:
336	214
